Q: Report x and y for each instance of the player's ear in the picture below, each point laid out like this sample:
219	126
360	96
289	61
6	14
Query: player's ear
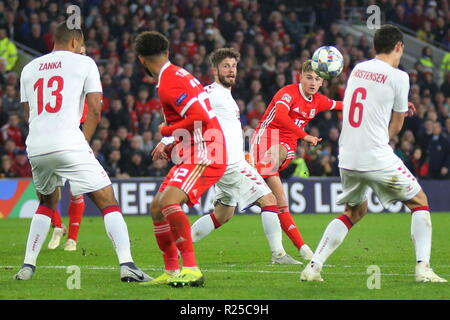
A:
215	71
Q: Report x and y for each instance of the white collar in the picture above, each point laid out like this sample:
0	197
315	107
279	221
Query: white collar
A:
303	94
164	67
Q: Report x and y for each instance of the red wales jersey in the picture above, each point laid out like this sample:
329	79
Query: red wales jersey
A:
300	111
182	97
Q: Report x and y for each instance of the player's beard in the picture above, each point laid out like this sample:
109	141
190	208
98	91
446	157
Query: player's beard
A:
227	83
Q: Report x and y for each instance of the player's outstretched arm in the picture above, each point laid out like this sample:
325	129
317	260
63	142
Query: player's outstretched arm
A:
396	123
94	100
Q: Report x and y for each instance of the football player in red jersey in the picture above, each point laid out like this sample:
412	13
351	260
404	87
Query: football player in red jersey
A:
275	139
200	152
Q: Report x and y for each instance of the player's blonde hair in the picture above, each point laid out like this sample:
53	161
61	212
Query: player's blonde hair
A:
307	66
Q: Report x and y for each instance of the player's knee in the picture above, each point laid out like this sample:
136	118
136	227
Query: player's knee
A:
267	200
356	213
420	200
155	210
226	218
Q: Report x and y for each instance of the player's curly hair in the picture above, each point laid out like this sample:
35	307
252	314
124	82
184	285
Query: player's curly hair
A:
218	55
151	43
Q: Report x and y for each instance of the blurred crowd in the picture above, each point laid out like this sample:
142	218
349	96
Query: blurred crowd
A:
273	40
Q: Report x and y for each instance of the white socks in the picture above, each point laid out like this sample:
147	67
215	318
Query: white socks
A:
117	231
272	230
202	227
333	236
421	234
40	224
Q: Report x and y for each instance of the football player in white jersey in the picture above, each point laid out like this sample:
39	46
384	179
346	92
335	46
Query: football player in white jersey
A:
53	90
375	105
241	184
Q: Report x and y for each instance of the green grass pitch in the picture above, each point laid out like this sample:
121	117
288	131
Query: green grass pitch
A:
235	260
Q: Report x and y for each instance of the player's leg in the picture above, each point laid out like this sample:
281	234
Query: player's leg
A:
287	222
87	176
224	205
354	197
117	231
59	229
186	185
398	184
170	210
40	225
277	155
421	230
208	223
165	240
46	183
272	229
76	209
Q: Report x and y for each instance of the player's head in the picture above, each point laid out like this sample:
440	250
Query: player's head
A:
388	40
224	65
310	80
68	38
152	49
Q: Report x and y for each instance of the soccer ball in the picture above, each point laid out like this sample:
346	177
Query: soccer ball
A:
327	62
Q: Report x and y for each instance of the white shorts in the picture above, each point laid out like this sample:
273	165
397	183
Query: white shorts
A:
79	167
241	184
390	185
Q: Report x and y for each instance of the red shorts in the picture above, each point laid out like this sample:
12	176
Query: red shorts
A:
193	179
262	161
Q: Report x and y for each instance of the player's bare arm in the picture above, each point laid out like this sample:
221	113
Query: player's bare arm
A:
94	100
26	111
396	123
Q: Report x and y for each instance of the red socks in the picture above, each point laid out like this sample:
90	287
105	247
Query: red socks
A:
56	219
76	209
181	232
46	211
346	220
289	227
167	245
214	220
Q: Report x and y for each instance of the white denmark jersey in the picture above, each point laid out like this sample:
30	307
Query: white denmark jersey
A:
374	90
227	111
55	86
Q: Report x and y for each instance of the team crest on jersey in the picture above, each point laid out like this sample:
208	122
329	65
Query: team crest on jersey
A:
296	109
286	97
181	99
312	113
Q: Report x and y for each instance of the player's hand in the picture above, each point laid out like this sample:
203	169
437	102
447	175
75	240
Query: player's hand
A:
411	109
312	140
161	125
159	152
249	159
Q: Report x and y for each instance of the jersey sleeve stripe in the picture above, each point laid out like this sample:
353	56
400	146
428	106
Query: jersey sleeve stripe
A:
334	105
289	108
187	106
